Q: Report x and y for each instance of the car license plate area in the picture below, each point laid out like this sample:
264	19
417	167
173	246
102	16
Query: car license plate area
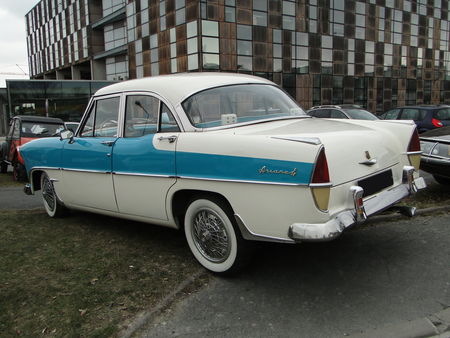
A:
376	183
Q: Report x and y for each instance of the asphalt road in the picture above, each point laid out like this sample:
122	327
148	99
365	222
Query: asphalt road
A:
15	198
376	275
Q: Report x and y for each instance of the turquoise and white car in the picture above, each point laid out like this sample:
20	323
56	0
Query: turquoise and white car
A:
228	158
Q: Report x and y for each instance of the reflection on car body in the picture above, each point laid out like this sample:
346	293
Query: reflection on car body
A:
228	158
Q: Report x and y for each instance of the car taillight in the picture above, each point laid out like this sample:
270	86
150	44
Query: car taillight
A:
321	174
436	123
414	151
320	182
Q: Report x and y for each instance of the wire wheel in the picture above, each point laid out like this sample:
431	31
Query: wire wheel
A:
210	236
48	193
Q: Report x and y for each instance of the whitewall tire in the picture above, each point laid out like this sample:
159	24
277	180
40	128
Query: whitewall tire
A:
52	205
212	235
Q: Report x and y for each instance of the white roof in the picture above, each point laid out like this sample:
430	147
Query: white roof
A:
177	87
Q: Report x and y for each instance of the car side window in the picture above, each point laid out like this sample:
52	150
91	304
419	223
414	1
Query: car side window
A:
167	121
141	115
323	113
443	114
391	114
102	119
411	114
336	114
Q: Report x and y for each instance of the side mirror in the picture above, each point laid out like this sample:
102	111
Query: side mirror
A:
66	135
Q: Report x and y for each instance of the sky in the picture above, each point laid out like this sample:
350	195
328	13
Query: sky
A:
13	43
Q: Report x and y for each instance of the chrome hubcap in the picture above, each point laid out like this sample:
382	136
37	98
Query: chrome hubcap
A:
48	193
210	236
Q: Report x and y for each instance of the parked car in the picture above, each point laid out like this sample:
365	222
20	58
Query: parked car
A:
229	158
71	126
341	112
425	117
23	129
435	159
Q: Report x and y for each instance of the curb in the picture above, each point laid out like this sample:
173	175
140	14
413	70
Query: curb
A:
434	326
145	317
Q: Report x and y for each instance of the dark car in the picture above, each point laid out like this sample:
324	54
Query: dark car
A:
435	145
425	117
22	130
341	112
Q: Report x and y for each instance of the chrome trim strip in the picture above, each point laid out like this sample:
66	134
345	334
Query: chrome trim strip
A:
87	171
120	173
251	236
320	185
309	140
242	181
413	153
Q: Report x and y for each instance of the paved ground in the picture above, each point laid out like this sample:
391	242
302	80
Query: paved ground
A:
378	275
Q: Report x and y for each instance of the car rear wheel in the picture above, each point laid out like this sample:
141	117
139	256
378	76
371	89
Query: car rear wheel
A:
442	180
213	236
52	205
19	172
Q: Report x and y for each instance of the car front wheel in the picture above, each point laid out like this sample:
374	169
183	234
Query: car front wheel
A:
52	205
213	237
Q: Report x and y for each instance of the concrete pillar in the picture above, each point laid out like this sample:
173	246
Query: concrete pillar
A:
98	69
75	73
59	75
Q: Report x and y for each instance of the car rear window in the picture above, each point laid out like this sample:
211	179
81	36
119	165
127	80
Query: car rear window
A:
227	105
38	129
443	114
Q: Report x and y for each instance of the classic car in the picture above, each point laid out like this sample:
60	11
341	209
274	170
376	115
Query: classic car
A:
435	159
343	111
23	129
229	159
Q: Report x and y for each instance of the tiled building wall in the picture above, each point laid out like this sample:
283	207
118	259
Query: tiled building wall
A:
377	53
57	34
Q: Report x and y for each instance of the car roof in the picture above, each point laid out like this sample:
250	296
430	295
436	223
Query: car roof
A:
43	119
424	106
177	87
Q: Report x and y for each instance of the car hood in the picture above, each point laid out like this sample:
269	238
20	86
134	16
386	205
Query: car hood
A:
348	145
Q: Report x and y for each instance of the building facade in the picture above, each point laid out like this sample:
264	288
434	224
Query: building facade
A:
376	53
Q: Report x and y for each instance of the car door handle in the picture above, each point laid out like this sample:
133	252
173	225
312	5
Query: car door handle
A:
171	139
108	143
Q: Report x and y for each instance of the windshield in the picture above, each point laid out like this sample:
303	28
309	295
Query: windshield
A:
239	103
38	129
360	114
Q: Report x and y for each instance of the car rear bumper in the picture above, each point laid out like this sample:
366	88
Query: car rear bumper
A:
333	228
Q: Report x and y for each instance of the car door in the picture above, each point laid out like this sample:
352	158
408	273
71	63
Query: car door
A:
86	160
144	158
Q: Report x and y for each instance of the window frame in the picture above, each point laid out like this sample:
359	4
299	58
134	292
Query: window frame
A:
91	105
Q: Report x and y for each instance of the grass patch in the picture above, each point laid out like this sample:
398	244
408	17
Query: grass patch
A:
85	275
7	180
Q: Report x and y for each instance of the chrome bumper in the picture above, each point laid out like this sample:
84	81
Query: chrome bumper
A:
362	209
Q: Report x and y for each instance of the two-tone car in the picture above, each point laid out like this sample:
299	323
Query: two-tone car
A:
229	159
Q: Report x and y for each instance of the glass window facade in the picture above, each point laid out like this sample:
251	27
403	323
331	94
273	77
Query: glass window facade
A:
64	99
